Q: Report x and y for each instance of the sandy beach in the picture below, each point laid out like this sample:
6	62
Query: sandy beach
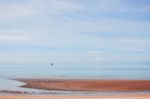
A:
129	96
87	85
83	85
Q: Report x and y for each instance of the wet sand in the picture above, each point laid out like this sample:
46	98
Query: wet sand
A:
87	85
129	96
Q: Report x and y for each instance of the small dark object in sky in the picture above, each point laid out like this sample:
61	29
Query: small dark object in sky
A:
52	64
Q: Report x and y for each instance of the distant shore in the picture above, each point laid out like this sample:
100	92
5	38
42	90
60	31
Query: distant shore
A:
87	85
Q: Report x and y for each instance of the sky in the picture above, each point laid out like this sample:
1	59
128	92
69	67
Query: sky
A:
82	32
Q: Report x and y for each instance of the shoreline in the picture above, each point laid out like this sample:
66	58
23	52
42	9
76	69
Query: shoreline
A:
70	84
128	96
87	85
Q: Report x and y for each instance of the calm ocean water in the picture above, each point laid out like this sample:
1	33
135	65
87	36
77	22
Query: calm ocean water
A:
95	73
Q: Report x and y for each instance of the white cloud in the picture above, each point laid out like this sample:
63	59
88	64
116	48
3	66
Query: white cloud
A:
113	6
105	25
66	24
134	49
36	8
31	8
62	39
10	11
45	57
13	38
55	14
69	57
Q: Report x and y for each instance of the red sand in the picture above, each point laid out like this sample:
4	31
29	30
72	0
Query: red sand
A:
87	85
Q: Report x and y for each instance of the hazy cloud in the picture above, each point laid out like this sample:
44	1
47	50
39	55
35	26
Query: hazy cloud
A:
96	31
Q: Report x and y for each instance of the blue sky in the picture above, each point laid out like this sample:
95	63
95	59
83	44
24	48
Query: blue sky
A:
100	32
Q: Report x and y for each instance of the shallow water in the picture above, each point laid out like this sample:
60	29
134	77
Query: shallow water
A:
13	85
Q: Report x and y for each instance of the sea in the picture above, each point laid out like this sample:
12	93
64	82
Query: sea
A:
8	73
